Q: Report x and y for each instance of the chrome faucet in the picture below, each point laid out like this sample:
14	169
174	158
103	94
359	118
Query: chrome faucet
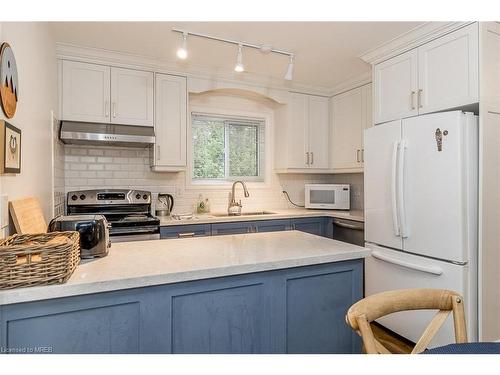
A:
234	208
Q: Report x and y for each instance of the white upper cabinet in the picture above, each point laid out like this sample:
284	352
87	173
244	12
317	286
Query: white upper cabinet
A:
298	143
103	94
302	133
351	115
319	129
448	71
170	127
131	97
396	87
85	92
439	75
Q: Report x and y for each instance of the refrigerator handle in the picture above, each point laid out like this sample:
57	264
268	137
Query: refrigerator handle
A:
400	190
434	270
394	179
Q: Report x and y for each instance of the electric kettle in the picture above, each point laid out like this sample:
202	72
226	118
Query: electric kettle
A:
164	205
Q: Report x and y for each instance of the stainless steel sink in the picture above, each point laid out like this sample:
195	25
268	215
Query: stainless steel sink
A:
255	213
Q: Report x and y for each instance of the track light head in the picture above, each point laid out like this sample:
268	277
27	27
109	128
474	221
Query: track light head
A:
239	67
182	51
289	70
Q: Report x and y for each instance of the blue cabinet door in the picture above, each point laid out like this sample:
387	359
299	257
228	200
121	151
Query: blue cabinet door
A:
313	225
232	228
184	231
272	225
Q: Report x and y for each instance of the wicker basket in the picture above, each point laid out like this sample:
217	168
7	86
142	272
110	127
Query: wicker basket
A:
38	259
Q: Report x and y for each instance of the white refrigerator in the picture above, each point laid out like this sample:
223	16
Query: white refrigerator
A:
421	199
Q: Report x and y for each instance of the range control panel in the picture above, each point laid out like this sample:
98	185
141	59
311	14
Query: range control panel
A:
108	196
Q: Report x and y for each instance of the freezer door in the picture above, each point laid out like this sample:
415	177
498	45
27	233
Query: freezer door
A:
440	162
389	270
380	174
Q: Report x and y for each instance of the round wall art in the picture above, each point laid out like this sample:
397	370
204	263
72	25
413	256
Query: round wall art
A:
9	85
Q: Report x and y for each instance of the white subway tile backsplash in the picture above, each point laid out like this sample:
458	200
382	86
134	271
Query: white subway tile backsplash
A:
92	167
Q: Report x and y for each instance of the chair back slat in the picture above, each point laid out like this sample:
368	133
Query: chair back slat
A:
430	331
362	313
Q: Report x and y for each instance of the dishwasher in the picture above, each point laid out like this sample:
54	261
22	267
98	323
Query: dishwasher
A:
349	231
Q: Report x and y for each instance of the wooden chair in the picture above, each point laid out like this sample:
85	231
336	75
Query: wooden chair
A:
362	313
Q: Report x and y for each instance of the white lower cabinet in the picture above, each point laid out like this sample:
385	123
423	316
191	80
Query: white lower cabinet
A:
351	115
169	153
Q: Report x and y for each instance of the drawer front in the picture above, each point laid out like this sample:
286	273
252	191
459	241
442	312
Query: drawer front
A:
233	228
185	231
272	225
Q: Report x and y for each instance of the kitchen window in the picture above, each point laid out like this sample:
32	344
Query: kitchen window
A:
227	148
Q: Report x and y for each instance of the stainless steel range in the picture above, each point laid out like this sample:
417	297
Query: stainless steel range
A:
127	211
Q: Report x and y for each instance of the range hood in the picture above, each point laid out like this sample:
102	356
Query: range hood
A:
85	133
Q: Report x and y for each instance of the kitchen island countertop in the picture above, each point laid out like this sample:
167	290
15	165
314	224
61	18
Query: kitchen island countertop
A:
148	263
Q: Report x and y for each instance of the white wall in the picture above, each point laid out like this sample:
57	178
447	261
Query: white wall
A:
34	48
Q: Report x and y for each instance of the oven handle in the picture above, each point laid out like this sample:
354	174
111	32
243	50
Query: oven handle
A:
434	270
347	225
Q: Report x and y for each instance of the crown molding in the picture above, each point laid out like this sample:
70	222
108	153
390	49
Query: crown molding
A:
66	51
352	83
410	40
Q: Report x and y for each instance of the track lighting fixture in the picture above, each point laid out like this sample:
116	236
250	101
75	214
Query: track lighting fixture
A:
239	67
289	70
239	60
182	51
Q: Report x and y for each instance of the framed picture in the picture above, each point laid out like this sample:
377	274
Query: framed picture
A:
10	147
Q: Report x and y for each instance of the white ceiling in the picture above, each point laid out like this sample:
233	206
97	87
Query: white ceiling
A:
326	52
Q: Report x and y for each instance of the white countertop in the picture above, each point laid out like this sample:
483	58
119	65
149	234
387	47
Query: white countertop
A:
147	263
276	214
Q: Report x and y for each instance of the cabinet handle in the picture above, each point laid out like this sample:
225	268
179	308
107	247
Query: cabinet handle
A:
420	98
362	155
312	158
357	156
106	108
307	158
186	234
113	106
412	100
158	152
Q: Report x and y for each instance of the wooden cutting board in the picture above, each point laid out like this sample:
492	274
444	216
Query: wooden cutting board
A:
27	216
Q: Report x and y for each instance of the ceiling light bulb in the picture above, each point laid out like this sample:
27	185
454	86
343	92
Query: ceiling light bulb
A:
182	51
289	70
239	60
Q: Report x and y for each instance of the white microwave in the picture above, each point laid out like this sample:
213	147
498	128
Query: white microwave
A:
328	196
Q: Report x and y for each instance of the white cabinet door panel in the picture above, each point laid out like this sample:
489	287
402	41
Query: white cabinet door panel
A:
298	135
380	199
131	97
448	70
170	127
347	129
85	92
319	131
396	86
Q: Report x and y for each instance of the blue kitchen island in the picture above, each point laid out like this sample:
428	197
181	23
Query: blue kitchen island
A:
279	292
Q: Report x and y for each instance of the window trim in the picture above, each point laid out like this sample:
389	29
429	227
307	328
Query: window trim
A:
266	116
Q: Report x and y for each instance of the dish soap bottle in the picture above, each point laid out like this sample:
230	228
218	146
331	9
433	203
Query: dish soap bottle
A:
203	205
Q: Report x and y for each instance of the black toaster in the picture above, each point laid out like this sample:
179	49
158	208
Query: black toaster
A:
94	233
